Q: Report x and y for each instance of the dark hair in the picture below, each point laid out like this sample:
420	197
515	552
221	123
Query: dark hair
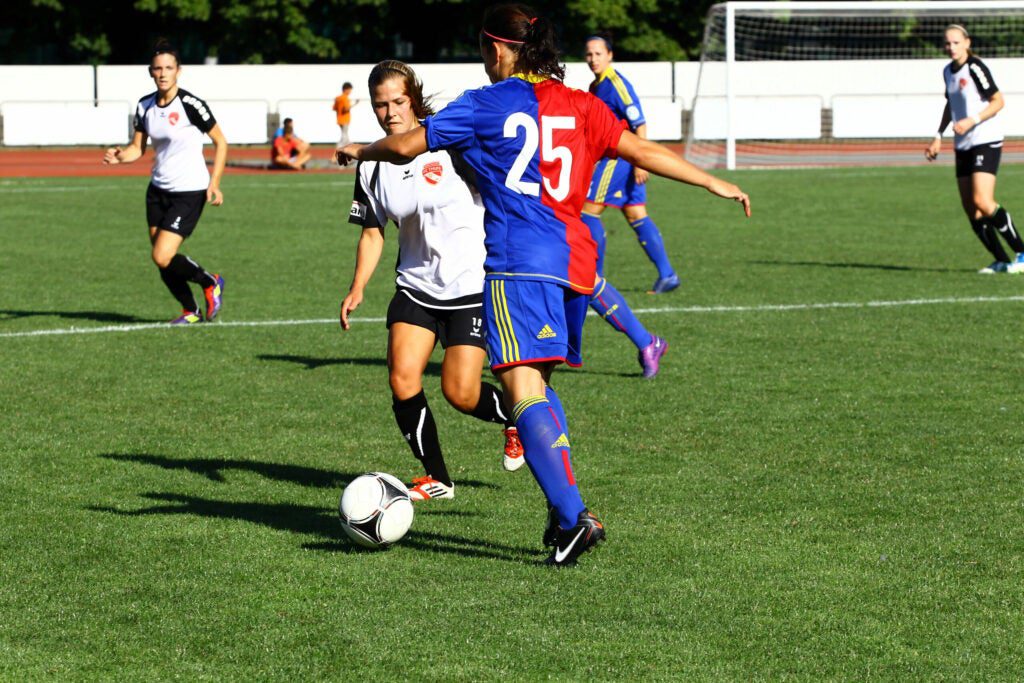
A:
392	68
601	36
530	36
287	126
164	47
346	85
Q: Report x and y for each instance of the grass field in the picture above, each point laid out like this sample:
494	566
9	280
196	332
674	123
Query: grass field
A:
808	491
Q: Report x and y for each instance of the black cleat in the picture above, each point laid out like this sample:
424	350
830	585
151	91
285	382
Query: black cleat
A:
571	543
551	529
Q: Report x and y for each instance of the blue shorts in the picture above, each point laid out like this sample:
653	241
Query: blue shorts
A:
613	185
530	321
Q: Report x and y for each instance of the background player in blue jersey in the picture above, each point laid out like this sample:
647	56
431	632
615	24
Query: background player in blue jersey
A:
532	143
616	182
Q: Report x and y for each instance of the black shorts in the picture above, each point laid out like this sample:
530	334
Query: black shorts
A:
461	325
177	212
980	159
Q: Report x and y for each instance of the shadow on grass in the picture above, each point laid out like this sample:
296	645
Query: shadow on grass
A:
433	369
213	469
864	266
310	520
98	316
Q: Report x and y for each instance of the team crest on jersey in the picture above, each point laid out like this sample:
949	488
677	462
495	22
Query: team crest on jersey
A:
172	118
432	172
963	83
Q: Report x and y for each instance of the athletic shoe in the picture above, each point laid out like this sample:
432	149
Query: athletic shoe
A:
995	267
514	454
213	295
571	543
651	355
427	487
1016	265
551	527
188	318
663	285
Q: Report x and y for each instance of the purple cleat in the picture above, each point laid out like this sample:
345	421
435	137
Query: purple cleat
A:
651	355
213	295
188	317
664	285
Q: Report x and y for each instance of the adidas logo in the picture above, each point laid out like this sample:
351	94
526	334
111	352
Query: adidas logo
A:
618	195
546	333
562	442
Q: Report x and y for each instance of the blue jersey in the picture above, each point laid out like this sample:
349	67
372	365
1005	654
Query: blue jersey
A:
615	91
533	143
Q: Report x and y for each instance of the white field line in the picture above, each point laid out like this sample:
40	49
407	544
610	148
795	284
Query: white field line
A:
136	327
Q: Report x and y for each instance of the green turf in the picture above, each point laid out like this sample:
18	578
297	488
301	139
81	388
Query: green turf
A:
805	494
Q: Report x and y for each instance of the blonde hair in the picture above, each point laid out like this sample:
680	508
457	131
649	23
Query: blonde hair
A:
963	31
392	68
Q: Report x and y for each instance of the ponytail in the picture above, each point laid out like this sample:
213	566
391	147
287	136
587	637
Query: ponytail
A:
530	36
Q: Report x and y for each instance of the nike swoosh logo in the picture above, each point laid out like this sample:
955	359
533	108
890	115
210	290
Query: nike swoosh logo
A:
560	554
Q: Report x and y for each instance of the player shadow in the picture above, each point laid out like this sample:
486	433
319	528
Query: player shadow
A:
433	369
98	316
214	468
309	520
863	266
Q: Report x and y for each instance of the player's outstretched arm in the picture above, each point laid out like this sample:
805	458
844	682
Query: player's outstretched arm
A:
371	246
398	148
135	149
659	160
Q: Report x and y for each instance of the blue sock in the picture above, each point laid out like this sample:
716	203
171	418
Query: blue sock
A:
597	232
607	301
544	435
650	239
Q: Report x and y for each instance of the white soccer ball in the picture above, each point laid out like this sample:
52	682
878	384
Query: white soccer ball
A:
375	510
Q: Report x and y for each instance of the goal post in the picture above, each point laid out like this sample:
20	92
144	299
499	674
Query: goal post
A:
833	83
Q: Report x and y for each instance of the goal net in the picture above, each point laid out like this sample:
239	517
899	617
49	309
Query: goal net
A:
838	83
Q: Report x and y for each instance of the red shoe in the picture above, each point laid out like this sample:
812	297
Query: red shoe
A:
514	453
213	295
425	488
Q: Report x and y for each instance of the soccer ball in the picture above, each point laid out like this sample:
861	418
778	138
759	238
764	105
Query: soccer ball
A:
375	510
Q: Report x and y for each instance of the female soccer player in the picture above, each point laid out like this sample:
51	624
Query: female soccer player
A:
175	120
615	182
440	279
533	143
972	101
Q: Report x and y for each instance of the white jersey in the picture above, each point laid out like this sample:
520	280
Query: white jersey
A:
969	88
177	131
440	224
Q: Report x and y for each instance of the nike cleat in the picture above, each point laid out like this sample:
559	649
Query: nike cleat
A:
650	356
551	527
425	488
995	267
213	295
188	318
571	543
664	285
514	453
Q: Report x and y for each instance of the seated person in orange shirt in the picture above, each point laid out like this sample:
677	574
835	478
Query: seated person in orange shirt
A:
289	150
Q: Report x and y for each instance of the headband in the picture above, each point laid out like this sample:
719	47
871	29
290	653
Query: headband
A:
507	40
960	28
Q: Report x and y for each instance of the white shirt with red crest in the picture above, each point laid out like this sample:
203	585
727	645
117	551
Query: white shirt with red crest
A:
177	131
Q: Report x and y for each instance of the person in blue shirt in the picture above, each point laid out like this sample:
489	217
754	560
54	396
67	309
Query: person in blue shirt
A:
532	143
616	182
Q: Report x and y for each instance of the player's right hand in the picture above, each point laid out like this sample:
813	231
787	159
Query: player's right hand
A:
727	190
350	304
110	157
347	154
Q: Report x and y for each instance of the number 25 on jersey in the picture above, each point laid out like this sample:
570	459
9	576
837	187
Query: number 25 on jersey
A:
548	153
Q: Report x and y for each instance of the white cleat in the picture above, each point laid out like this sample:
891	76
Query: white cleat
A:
425	488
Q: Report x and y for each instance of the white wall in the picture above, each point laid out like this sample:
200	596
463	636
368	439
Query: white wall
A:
774	99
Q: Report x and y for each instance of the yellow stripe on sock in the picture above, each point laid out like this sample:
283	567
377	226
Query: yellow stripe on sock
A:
521	407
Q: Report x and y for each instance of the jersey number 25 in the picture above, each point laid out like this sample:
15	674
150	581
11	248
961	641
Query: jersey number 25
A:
548	153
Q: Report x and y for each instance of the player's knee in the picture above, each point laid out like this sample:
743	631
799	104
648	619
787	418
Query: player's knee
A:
404	383
162	258
986	205
635	213
462	395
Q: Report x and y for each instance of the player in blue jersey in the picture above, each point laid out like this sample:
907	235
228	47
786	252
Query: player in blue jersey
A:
532	143
616	182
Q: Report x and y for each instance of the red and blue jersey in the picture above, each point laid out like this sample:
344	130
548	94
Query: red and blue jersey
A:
533	144
615	91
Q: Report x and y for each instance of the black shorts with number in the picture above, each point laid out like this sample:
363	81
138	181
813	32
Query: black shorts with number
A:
456	322
980	159
177	212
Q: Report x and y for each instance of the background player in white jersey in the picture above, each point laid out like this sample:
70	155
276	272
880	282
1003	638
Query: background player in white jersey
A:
440	279
972	102
176	120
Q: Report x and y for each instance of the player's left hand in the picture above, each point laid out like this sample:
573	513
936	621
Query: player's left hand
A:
214	196
347	154
640	175
962	126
